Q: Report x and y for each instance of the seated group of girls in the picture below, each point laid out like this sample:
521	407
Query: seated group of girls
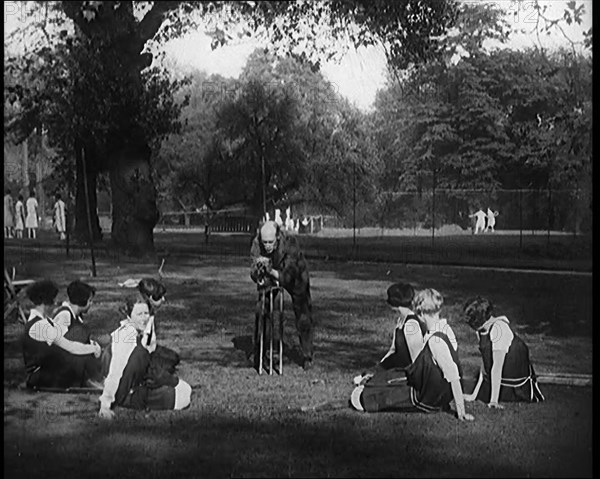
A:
128	366
422	371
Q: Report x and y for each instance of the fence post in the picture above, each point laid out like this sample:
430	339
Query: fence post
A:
549	215
354	210
88	211
520	219
206	226
433	211
576	212
68	228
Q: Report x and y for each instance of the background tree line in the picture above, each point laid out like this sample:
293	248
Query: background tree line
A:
280	135
499	120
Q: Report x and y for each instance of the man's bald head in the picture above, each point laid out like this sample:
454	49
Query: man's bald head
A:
268	236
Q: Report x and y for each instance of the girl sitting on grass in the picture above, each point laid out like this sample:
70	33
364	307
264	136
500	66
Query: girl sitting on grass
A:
430	383
131	382
49	356
507	373
407	340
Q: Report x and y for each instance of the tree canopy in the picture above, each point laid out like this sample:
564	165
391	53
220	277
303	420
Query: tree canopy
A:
454	114
93	85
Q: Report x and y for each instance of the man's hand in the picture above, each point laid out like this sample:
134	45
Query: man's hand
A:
263	268
106	413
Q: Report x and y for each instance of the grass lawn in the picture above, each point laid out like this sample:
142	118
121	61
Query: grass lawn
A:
559	252
241	424
504	250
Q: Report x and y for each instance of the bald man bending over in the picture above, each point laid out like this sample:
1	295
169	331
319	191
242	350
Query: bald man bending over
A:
276	256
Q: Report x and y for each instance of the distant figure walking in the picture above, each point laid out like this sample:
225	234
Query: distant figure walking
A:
480	220
9	215
491	220
289	222
60	217
278	219
19	217
31	221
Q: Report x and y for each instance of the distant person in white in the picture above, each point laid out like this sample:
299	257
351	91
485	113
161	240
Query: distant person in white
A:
278	219
19	217
9	215
60	218
480	222
491	220
31	220
289	222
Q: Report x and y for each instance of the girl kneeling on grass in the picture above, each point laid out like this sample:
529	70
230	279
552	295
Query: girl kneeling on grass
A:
430	383
131	382
506	373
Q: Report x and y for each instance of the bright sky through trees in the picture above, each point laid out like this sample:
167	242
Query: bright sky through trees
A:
360	73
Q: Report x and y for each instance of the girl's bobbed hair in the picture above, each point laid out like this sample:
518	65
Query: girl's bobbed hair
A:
151	288
477	311
130	301
428	301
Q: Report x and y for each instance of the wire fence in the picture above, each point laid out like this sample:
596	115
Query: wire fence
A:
515	212
525	211
523	218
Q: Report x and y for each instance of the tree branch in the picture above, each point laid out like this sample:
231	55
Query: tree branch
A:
73	11
152	21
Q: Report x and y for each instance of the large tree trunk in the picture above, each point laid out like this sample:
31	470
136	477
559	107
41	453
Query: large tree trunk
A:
133	200
118	38
81	228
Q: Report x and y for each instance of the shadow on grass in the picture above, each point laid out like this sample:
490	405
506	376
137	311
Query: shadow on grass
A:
337	444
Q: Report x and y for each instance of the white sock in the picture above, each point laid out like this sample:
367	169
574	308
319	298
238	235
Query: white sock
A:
355	398
183	395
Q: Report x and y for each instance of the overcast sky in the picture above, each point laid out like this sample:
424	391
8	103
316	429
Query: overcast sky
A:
360	73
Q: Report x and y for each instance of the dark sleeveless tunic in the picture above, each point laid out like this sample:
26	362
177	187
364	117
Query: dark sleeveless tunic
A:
401	356
518	382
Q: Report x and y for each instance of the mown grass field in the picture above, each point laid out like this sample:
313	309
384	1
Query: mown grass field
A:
241	424
503	249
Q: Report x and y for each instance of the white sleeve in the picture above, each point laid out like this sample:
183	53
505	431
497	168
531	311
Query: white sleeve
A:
123	343
63	321
441	355
501	336
45	332
447	330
